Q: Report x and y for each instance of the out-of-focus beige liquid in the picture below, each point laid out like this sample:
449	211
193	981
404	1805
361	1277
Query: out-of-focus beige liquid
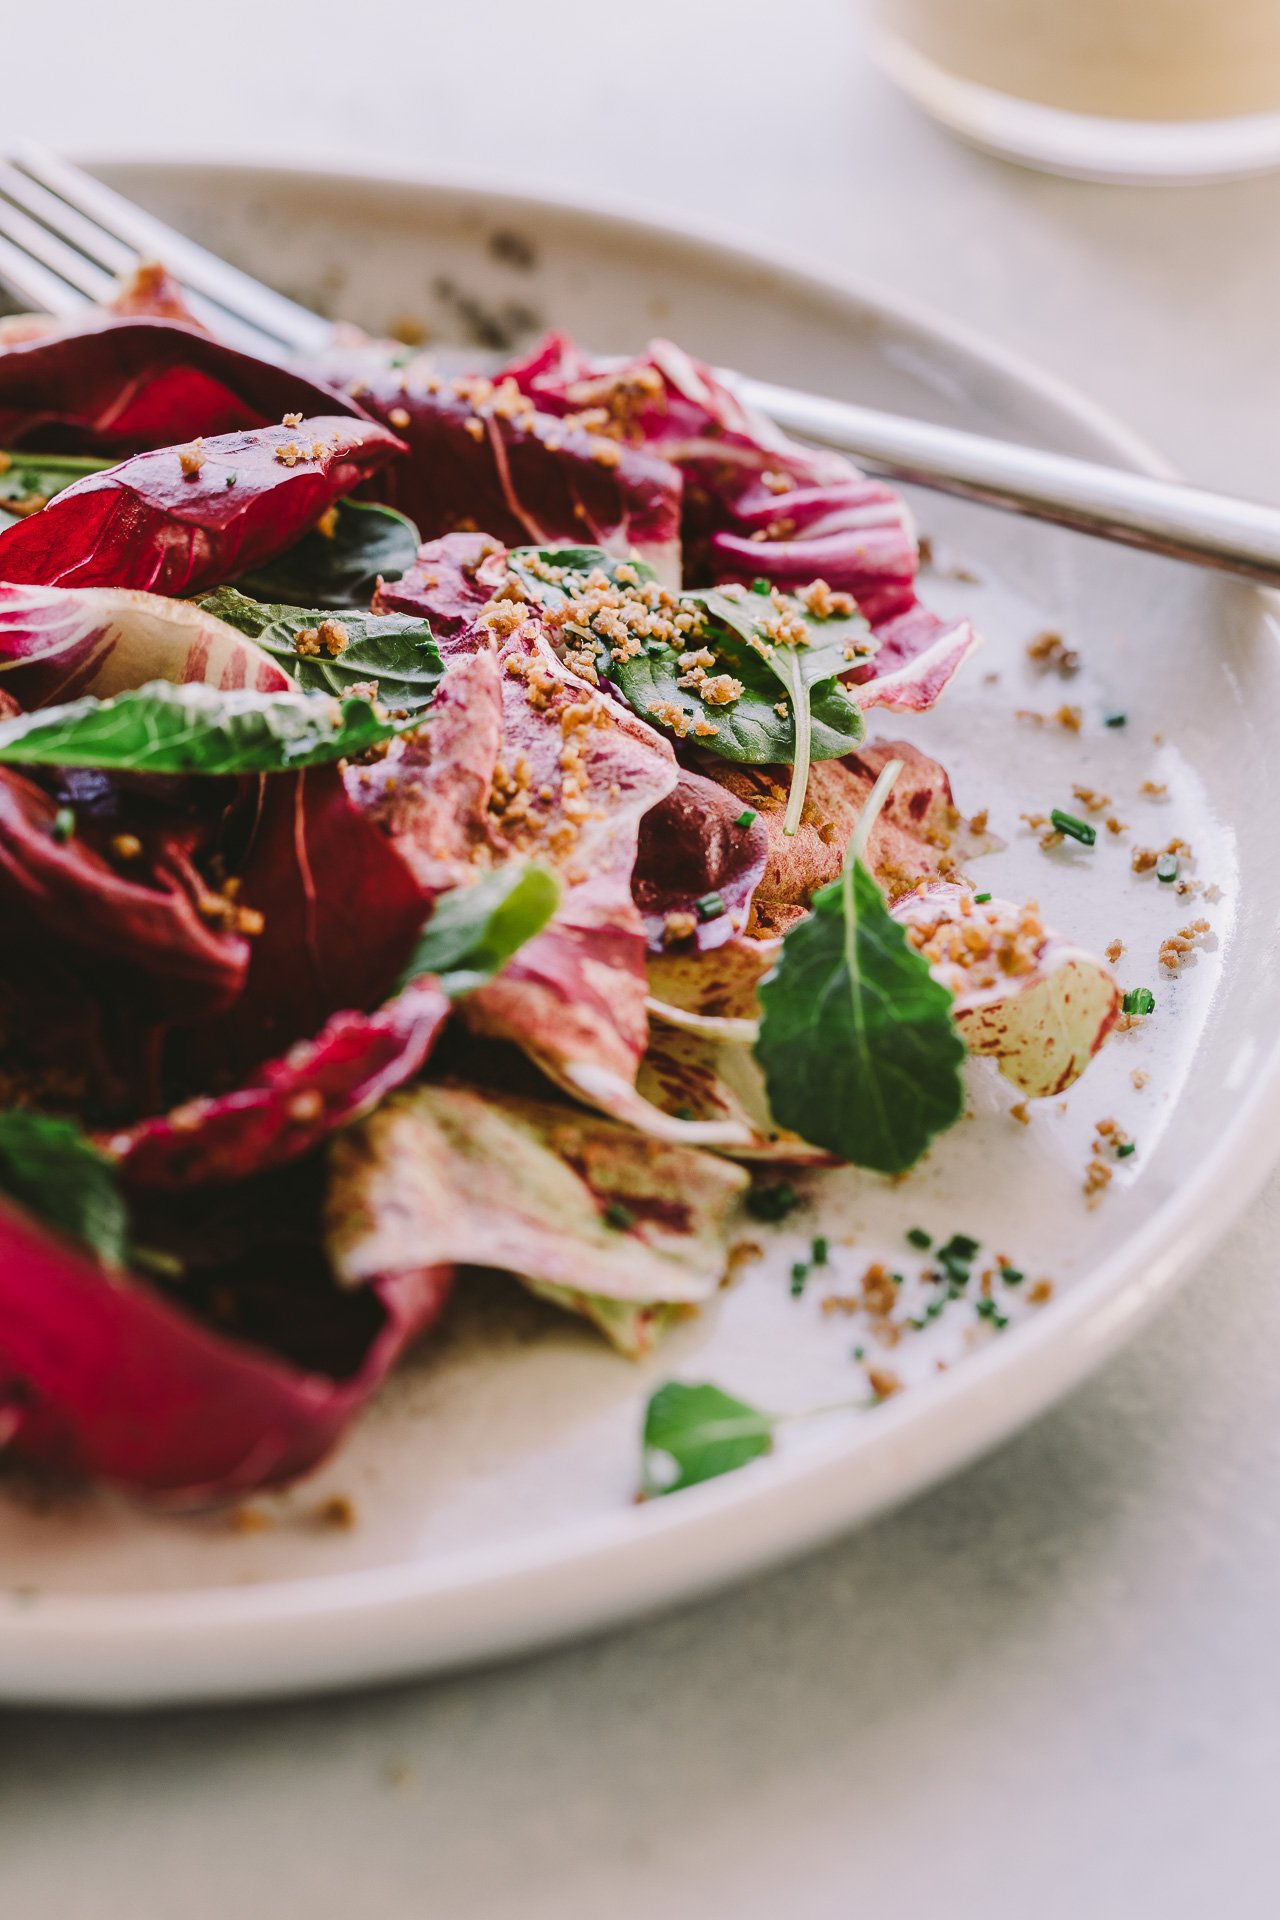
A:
1125	59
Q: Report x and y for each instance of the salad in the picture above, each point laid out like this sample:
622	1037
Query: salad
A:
445	823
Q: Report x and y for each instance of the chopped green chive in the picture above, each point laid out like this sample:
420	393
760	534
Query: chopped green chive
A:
859	1353
710	907
1139	1000
1115	720
799	1274
1012	1276
981	899
616	1215
773	1203
1167	867
761	585
934	1308
959	1247
896	1279
64	824
230	480
918	1237
1125	1148
1073	828
747	818
819	1250
685	1113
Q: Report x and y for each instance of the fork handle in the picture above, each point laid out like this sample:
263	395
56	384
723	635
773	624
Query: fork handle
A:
1163	516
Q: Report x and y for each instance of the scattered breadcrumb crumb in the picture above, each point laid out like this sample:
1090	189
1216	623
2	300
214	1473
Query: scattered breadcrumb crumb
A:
338	1511
1050	650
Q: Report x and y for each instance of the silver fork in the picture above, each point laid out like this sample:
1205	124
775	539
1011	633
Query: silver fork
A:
64	238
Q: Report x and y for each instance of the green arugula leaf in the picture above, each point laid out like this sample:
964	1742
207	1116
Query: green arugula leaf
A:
394	649
50	1168
474	931
702	1430
162	728
857	1045
28	480
793	707
340	569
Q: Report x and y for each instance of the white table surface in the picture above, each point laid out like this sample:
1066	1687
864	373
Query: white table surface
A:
1050	1688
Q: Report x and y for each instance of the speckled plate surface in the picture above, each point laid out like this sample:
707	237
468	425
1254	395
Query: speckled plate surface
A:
491	1488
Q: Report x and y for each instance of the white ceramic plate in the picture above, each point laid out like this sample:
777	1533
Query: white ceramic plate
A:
493	1483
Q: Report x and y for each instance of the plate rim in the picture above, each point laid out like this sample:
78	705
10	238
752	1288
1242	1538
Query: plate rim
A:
324	1631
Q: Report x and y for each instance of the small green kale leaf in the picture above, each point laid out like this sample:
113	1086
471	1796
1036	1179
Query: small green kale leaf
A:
50	1168
395	649
196	729
474	931
857	1045
703	1431
342	568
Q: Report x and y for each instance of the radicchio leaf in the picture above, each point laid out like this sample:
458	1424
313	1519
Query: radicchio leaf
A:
1024	995
432	801
101	1376
123	384
481	456
918	834
169	527
341	914
291	1104
576	776
57	643
143	914
759	505
697	845
572	1204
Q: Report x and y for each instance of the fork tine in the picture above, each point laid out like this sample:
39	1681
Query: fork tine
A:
241	296
42	291
21	231
101	247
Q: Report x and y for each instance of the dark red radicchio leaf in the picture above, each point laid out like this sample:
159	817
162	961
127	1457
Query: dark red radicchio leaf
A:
342	911
143	913
483	457
102	1376
156	524
291	1104
759	505
696	863
124	382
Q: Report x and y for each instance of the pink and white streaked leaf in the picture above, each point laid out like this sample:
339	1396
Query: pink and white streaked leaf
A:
566	1201
1038	1005
59	643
